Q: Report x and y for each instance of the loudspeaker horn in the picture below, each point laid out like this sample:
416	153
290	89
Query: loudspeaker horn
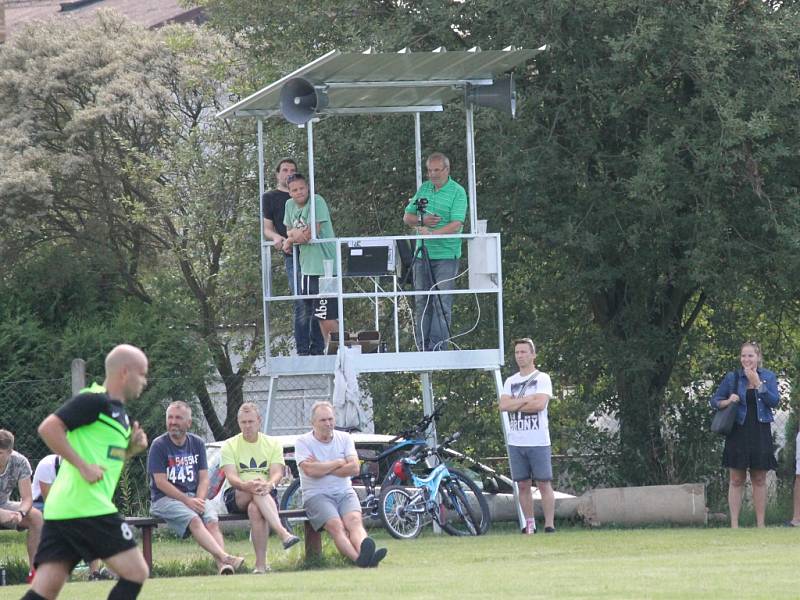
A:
300	100
501	95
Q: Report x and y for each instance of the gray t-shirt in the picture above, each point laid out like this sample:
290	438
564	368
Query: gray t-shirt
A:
306	446
17	468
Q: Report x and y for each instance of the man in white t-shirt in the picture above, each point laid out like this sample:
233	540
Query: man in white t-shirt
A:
525	398
327	459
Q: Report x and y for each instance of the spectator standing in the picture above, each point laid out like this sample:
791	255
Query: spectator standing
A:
307	335
525	398
749	445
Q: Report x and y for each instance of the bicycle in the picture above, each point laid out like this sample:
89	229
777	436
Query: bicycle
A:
405	440
440	497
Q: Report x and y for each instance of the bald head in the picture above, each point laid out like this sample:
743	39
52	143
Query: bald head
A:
126	372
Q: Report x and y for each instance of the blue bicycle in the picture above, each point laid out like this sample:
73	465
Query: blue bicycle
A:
445	496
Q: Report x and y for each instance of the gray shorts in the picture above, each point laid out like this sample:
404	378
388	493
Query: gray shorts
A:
530	462
178	515
321	508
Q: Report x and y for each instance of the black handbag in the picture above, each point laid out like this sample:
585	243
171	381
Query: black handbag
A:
724	418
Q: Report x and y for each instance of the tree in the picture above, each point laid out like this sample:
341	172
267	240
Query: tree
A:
113	145
651	180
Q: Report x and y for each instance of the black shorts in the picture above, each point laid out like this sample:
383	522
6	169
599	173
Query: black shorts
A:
89	538
324	309
229	497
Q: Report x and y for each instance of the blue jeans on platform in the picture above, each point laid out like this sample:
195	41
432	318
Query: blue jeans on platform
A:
307	334
432	319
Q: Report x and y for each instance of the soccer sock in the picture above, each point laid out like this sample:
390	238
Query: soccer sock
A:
31	595
125	590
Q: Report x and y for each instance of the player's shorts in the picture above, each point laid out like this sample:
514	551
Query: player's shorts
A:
325	308
229	497
13	507
88	538
530	462
321	508
178	515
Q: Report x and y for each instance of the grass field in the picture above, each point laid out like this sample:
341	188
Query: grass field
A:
574	563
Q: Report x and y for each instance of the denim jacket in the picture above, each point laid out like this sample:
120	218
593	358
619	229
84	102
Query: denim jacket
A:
766	394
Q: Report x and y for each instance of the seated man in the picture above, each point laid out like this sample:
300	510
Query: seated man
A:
253	464
326	460
15	472
178	471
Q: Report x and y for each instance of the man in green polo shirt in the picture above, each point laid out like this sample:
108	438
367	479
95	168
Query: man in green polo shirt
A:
445	209
94	436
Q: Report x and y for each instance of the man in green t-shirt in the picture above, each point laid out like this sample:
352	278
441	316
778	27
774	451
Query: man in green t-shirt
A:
313	255
253	465
94	437
438	208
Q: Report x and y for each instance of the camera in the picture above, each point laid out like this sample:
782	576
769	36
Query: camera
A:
421	204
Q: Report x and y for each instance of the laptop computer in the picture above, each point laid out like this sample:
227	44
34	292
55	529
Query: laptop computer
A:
367	261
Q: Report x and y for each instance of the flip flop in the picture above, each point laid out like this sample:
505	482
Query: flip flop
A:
291	541
226	570
235	561
266	570
366	552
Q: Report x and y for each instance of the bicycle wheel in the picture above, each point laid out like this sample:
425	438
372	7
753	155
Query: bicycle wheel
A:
467	509
400	522
291	499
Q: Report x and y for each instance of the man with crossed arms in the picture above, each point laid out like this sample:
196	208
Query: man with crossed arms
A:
525	398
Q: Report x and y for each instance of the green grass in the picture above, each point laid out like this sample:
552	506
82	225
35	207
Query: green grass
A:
574	563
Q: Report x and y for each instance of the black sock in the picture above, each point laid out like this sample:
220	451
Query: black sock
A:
125	590
31	595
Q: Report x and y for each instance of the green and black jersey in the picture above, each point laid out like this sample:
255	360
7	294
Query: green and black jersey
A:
99	431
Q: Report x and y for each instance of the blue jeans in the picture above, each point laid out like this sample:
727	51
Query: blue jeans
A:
432	319
307	334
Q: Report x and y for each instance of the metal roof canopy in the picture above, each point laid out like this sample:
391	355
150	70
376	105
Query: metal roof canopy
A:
362	83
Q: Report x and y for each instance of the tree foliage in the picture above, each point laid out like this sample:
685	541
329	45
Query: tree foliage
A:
112	145
647	196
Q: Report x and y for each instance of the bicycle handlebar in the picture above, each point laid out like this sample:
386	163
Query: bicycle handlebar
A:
421	427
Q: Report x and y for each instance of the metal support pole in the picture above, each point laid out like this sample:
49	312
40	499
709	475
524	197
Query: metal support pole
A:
498	383
427	404
428	408
311	188
418	148
266	257
472	191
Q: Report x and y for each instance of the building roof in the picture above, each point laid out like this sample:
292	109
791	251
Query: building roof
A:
149	13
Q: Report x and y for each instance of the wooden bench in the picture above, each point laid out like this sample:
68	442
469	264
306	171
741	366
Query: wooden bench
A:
313	539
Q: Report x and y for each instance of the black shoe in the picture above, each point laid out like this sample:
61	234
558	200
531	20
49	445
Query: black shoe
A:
366	552
379	555
549	529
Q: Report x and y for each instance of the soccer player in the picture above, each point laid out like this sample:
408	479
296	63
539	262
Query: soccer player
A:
93	435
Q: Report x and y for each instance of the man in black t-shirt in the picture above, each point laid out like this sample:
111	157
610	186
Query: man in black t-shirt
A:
307	334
